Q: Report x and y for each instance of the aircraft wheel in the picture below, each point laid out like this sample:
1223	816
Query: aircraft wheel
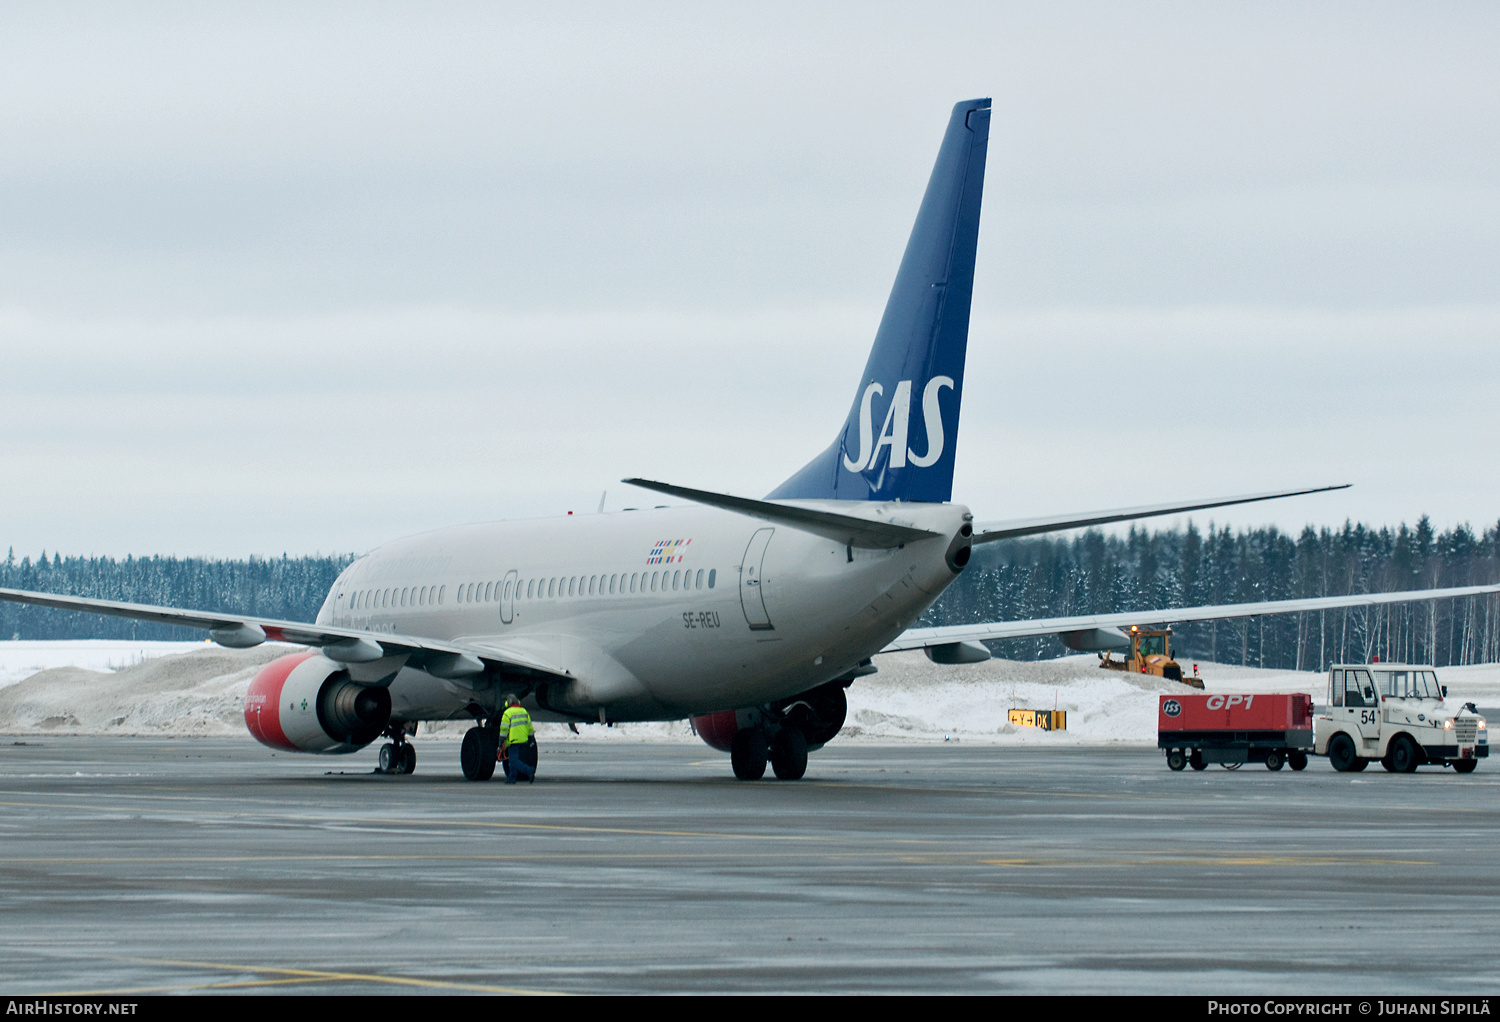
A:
477	755
1465	766
1342	755
408	759
1297	759
789	754
747	754
1176	760
1274	759
390	758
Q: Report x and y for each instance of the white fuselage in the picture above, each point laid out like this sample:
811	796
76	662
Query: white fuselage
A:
650	615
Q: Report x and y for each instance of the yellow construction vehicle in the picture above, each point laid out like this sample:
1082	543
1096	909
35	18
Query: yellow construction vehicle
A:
1151	653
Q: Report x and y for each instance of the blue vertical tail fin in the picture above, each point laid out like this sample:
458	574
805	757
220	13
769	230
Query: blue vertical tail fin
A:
902	432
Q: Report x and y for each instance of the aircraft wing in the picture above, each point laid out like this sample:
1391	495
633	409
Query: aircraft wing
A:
920	638
348	645
988	532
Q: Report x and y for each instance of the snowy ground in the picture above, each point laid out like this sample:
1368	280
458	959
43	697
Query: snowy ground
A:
190	689
23	658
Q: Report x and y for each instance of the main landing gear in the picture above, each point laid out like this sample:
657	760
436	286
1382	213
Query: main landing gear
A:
477	754
787	751
398	756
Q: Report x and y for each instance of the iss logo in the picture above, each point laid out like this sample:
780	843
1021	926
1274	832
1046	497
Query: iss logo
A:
1171	707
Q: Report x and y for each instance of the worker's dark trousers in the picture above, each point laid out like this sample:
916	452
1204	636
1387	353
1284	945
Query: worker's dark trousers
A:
520	762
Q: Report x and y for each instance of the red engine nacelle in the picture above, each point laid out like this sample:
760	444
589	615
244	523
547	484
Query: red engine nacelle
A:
718	729
819	714
304	702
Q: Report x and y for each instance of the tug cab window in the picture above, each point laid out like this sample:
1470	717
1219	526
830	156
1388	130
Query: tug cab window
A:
1359	689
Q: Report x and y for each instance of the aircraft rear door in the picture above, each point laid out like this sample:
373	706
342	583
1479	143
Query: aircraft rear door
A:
508	598
752	598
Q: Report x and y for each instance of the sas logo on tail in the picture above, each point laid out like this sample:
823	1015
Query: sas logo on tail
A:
667	551
893	432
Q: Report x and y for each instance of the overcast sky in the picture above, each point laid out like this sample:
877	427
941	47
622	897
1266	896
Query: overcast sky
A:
306	278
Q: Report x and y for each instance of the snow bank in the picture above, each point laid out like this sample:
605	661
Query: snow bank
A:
188	689
20	659
197	693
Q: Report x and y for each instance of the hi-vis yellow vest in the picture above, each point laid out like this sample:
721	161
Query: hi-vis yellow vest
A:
515	725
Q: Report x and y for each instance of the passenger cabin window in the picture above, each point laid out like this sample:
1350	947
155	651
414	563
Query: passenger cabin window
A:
711	573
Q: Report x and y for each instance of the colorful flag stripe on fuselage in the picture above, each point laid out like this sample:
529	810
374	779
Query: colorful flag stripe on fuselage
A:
668	551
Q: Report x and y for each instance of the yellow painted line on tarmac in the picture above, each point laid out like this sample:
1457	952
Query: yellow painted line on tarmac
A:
298	976
1205	860
180	988
561	856
418	823
920	790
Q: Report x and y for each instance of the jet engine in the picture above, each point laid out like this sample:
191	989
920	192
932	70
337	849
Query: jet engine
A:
304	702
818	713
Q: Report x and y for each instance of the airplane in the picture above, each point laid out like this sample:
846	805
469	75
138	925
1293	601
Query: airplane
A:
749	617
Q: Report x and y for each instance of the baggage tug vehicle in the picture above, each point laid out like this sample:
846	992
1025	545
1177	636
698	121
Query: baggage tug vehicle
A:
1391	713
1394	713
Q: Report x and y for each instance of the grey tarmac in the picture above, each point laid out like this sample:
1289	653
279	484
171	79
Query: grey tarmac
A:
201	865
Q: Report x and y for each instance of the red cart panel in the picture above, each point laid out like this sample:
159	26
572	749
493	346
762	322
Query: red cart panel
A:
1259	711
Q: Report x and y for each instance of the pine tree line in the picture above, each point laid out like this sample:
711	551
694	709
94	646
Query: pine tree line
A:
289	589
1088	573
1093	573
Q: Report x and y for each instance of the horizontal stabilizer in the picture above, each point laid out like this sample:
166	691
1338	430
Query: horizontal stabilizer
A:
841	528
921	638
988	532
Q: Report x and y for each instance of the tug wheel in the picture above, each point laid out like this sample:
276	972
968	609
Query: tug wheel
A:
1342	754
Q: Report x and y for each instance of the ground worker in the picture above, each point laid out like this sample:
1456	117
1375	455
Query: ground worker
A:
517	742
